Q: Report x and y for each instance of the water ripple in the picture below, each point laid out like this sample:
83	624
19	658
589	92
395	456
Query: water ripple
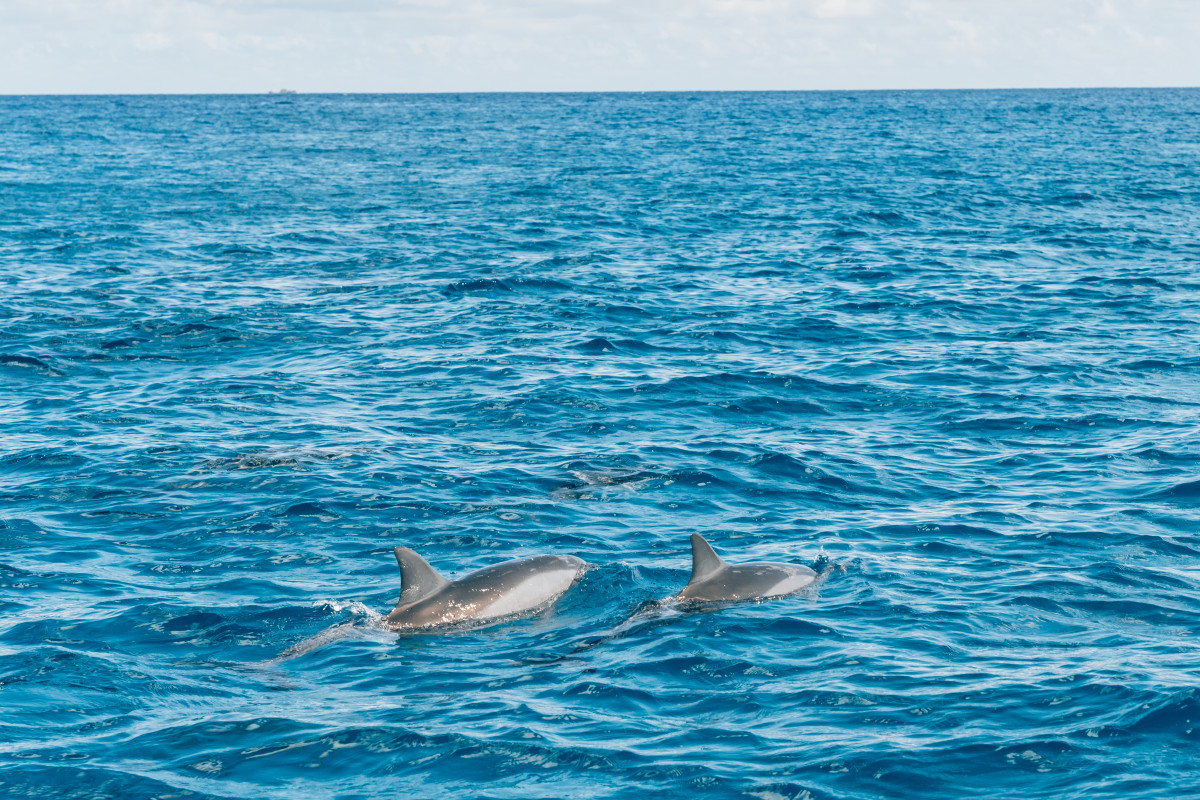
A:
941	346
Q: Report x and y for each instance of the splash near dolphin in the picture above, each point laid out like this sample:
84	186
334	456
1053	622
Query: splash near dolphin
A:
492	594
715	581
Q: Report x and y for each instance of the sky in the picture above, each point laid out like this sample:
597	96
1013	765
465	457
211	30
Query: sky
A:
199	46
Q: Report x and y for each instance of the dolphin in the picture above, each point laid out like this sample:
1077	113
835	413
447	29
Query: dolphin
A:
714	581
501	591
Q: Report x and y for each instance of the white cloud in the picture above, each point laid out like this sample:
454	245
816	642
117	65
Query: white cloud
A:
747	8
832	9
151	41
465	45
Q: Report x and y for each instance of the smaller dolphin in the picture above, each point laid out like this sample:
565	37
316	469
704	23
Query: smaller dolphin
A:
714	581
494	593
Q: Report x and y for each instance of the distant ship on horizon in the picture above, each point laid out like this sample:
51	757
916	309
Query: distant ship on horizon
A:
283	91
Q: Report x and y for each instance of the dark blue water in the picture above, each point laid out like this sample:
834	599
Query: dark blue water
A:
948	342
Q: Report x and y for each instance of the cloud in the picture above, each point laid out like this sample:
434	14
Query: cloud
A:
435	45
833	9
152	41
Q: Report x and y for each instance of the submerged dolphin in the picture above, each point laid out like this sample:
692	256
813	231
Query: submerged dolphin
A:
714	581
488	595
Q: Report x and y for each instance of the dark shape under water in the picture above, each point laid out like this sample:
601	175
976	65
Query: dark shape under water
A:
308	510
12	359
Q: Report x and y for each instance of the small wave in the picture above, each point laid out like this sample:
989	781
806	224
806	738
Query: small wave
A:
1148	364
28	362
479	286
1187	492
596	346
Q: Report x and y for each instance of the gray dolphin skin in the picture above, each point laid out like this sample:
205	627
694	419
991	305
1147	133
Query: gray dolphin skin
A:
492	594
714	581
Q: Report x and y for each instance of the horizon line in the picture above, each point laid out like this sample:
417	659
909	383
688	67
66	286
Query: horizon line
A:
328	93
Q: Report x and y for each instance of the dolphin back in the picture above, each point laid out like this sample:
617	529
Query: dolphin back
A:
508	589
705	561
715	581
418	580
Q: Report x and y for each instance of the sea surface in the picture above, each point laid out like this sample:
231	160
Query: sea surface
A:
942	346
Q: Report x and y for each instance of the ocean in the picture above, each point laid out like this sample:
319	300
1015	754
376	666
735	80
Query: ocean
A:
944	346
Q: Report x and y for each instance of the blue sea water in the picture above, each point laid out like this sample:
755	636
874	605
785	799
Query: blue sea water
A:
943	345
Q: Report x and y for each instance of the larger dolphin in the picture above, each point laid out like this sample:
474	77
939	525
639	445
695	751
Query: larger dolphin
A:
508	589
714	581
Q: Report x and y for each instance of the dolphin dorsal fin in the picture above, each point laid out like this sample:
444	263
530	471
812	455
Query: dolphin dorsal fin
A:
417	579
705	560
